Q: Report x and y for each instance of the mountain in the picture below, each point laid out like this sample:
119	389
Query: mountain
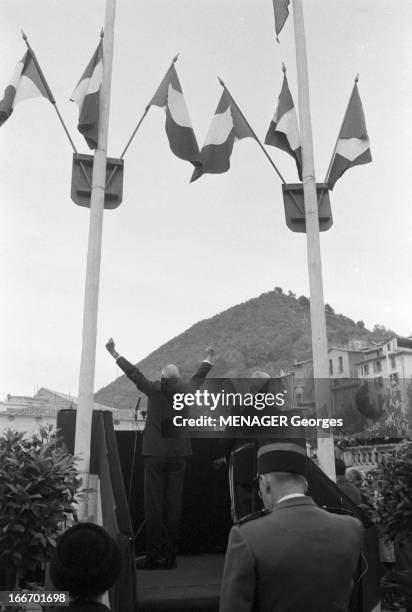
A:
269	332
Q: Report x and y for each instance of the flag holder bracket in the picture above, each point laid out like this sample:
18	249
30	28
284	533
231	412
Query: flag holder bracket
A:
294	207
81	187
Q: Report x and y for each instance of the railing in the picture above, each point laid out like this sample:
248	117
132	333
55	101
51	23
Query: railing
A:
368	457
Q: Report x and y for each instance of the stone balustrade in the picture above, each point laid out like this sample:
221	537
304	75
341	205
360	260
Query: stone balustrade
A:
367	457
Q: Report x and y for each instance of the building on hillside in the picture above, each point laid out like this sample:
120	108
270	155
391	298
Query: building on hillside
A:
384	371
26	413
389	360
342	371
387	368
342	363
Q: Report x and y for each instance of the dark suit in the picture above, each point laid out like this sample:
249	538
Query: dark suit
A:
165	459
349	489
297	558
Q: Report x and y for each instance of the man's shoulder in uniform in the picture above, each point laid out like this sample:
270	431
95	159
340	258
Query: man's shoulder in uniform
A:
353	521
252	517
344	520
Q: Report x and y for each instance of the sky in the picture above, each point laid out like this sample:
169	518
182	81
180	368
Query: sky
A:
173	252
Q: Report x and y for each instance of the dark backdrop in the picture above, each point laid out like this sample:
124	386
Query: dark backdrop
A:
206	502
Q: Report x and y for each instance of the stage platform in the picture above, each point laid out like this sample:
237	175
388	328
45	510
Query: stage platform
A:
194	585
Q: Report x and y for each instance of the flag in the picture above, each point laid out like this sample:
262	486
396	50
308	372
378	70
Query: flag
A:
228	125
353	147
179	130
87	94
281	14
26	83
283	131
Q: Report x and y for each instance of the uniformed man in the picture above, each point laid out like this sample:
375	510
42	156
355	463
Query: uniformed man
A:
293	556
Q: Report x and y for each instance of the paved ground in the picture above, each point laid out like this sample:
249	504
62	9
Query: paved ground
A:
193	585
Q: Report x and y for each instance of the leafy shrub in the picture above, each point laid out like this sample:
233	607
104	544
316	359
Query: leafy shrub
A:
38	484
393	479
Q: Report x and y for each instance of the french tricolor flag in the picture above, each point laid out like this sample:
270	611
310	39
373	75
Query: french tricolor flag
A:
281	8
179	130
228	125
283	131
352	147
87	95
26	83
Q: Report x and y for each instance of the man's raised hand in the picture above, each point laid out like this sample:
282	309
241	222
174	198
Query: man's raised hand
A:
110	346
210	353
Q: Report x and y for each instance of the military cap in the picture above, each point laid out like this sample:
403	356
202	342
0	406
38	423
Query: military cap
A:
282	457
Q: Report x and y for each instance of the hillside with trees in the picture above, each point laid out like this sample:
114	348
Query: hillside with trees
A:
270	332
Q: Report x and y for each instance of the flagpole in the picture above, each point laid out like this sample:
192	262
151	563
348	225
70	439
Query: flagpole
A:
253	132
356	79
113	172
139	123
326	455
48	90
129	142
272	163
53	101
88	355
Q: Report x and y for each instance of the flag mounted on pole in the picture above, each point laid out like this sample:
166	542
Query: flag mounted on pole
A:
87	97
179	130
228	125
283	131
26	83
281	8
352	147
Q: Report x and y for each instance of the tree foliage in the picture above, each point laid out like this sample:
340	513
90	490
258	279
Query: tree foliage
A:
393	480
380	333
38	485
304	301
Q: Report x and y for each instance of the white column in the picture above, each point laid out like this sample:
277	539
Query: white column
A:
91	297
317	307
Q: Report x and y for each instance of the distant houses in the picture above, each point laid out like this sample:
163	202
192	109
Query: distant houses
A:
385	369
27	413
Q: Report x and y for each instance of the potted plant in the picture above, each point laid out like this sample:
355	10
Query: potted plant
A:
393	479
38	485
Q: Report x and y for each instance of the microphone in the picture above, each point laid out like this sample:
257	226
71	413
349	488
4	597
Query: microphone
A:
137	408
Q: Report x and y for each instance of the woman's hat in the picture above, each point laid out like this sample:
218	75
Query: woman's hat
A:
87	561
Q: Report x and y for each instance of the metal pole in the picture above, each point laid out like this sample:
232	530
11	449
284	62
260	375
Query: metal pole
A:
252	131
88	355
139	123
326	455
54	103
